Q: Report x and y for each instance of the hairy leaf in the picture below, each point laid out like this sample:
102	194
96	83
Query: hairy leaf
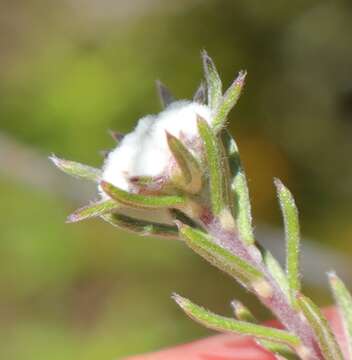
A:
292	234
321	327
239	189
224	324
276	271
213	80
219	257
228	101
213	158
76	169
244	314
94	209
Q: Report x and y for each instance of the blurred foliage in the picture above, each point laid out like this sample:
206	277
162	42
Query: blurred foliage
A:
71	70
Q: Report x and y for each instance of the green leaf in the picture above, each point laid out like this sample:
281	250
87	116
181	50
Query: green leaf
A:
141	227
343	300
214	164
224	324
190	177
165	96
276	271
213	80
321	328
228	101
219	257
201	94
92	210
244	314
76	169
292	234
142	201
239	189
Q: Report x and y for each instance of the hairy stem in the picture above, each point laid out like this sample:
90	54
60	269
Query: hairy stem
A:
268	290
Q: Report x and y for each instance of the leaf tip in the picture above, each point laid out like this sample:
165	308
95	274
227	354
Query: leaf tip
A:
180	301
279	184
72	218
56	161
242	74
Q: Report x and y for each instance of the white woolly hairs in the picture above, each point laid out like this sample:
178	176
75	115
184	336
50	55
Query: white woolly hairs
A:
144	152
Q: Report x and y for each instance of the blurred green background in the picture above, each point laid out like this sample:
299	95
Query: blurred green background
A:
70	70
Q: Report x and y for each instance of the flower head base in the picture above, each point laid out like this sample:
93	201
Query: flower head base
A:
164	164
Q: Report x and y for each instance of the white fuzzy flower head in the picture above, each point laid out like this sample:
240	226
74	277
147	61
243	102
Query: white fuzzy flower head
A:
145	151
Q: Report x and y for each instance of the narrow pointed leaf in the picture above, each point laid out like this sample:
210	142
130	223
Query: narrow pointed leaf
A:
92	210
244	314
321	328
141	227
292	234
201	94
213	80
224	324
190	177
219	257
214	165
141	201
165	96
343	300
76	169
228	101
239	189
276	271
